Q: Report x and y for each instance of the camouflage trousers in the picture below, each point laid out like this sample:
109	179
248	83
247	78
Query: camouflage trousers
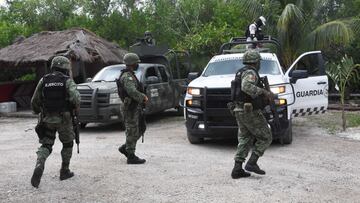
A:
252	126
66	136
131	118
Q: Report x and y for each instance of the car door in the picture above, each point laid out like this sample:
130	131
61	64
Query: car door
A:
153	90
310	91
166	92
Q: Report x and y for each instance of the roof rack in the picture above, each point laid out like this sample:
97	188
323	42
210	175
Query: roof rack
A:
227	48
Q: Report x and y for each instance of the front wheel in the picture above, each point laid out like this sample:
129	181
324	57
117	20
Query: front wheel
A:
287	137
83	125
179	111
193	139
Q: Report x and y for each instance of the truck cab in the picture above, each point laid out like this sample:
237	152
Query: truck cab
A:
161	72
302	90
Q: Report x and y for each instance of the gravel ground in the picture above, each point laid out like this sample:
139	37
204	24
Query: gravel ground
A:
317	167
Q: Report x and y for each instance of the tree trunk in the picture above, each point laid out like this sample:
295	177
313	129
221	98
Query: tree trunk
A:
342	90
343	117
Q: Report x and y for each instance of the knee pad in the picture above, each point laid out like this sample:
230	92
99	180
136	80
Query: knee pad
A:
47	146
68	145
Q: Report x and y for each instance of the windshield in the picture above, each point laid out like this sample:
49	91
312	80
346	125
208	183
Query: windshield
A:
232	66
111	73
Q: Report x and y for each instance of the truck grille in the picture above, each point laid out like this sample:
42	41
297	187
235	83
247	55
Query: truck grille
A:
218	97
102	99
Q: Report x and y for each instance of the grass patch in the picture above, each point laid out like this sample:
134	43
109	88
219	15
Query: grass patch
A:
332	120
353	119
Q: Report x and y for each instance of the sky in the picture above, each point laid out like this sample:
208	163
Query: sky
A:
2	2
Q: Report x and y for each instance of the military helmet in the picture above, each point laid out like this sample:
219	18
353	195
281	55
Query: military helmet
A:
263	20
131	59
60	62
251	57
147	33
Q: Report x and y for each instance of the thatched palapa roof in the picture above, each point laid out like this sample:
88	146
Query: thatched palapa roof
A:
80	44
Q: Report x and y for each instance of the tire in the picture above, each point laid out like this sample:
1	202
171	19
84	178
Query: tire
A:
122	125
287	136
179	111
83	125
193	139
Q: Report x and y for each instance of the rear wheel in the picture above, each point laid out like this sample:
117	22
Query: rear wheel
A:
193	139
287	136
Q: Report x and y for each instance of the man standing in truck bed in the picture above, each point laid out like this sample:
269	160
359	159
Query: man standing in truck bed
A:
248	111
131	93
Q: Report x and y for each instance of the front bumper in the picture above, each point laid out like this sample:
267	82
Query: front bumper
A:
108	114
219	123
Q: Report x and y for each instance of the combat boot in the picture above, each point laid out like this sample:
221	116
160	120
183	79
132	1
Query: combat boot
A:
123	151
38	171
238	171
65	172
133	159
252	166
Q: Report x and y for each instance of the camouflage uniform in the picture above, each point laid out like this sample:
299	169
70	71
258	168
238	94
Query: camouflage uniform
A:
53	122
252	123
133	100
131	109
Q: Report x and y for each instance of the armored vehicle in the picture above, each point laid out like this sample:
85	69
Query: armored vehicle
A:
162	72
302	90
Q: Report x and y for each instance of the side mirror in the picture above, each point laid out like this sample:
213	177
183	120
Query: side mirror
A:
152	80
88	79
193	75
298	74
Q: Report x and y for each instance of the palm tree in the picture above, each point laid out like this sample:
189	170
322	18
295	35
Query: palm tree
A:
342	74
298	29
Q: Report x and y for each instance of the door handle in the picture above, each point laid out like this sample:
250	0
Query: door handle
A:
321	83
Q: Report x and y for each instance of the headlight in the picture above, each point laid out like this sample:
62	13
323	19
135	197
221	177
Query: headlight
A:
193	102
280	102
193	91
114	99
278	89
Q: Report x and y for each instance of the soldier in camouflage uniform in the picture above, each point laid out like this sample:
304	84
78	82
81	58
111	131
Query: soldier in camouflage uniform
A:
133	100
252	123
54	97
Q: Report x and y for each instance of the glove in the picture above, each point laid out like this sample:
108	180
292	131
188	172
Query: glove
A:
269	95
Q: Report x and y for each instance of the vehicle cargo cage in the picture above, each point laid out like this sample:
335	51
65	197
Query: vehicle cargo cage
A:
228	48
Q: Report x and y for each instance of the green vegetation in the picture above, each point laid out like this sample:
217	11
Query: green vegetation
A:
332	120
199	26
343	74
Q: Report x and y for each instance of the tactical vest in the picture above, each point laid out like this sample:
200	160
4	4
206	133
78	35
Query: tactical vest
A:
240	96
121	90
258	33
54	92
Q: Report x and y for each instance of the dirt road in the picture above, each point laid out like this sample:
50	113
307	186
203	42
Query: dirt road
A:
316	168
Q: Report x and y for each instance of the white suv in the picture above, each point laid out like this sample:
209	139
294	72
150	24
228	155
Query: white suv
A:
302	90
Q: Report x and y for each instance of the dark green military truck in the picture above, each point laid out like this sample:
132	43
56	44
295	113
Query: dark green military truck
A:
162	72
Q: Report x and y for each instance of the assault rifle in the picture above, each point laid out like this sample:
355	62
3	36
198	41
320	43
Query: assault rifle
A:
76	128
272	104
142	122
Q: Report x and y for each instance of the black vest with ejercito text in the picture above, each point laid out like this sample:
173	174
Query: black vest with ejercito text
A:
54	92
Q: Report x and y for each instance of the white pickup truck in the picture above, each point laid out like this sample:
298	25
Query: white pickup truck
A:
302	90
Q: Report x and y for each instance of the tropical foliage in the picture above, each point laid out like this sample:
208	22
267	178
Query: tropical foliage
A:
344	73
200	26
